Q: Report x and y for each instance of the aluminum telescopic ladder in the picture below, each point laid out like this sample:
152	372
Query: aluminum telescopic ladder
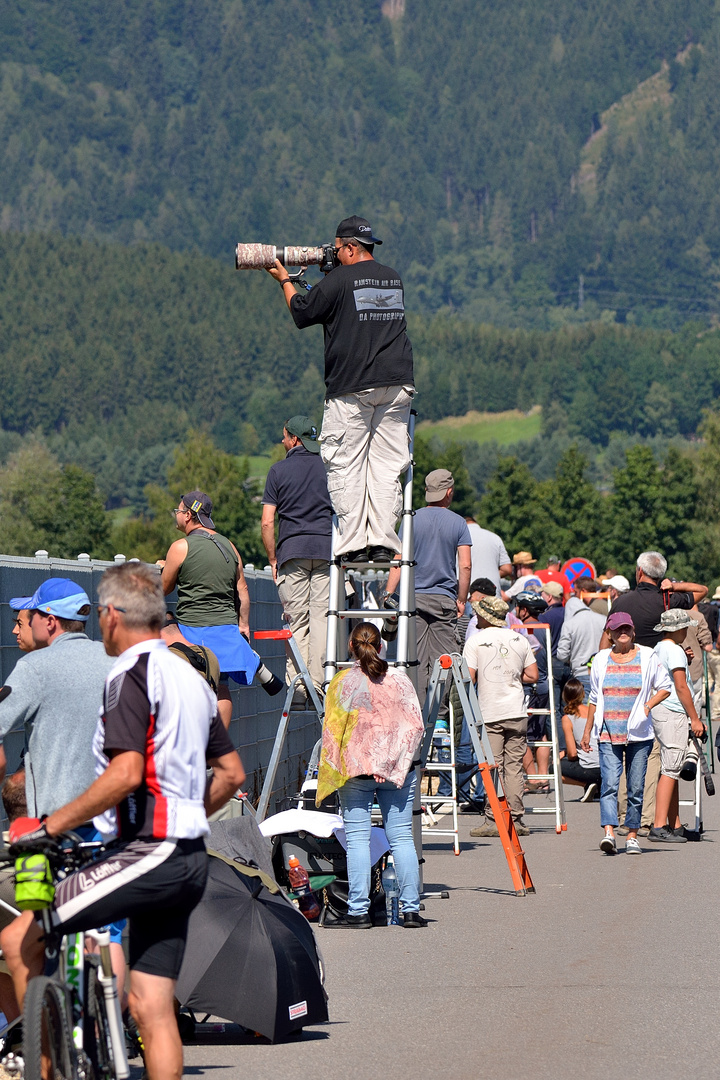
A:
554	777
302	678
454	668
338	610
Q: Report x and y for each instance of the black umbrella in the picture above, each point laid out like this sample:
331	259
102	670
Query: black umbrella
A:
251	956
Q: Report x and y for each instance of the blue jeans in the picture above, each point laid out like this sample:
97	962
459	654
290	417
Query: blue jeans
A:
396	804
611	765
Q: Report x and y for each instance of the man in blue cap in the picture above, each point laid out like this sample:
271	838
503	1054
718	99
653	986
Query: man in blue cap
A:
56	694
369	378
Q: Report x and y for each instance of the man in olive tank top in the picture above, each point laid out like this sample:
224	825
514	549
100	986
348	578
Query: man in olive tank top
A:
213	600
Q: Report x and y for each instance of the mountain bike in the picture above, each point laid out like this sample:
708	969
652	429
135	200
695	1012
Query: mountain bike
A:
72	1024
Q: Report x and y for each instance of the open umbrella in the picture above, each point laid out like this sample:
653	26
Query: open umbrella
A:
251	956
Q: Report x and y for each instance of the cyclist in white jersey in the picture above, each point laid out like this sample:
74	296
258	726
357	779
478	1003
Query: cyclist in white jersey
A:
158	728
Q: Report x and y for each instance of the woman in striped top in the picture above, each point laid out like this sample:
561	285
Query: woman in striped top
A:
626	682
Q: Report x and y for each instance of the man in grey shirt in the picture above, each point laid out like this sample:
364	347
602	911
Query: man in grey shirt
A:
580	638
57	691
489	555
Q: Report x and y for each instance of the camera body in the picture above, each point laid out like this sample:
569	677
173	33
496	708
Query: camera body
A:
263	256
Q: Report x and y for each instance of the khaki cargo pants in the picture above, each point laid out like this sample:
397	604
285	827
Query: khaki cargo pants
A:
364	446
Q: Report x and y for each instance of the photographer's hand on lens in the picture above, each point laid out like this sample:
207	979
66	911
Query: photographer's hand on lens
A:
279	272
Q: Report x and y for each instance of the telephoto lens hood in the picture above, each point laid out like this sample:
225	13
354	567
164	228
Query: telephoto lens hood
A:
269	682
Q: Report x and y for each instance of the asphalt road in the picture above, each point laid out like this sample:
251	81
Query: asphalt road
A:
609	970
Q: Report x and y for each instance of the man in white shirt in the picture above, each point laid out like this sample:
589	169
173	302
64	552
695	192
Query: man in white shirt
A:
501	662
488	554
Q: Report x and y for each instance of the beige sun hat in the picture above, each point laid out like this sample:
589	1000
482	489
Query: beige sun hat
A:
674	619
492	609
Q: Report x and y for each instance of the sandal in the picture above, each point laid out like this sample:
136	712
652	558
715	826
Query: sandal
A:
537	789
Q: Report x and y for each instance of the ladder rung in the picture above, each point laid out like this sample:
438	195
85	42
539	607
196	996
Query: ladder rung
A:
539	712
373	613
539	810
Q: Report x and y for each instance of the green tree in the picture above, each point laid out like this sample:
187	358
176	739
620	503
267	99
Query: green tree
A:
199	465
513	506
429	456
50	506
652	507
704	540
573	510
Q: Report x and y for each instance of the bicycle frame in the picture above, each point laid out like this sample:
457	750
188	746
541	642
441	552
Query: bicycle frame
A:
65	963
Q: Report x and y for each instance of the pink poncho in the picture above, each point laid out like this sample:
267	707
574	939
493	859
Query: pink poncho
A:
372	728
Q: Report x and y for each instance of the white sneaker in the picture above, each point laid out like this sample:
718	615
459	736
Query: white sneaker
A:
632	847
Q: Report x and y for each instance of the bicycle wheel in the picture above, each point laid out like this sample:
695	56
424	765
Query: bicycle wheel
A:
47	1043
96	1032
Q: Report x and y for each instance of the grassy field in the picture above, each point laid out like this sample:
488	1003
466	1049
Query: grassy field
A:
259	465
504	427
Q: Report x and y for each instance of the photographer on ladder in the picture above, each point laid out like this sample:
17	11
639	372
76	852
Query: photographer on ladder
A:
369	378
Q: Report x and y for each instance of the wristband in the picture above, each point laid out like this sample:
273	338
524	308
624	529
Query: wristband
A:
285	281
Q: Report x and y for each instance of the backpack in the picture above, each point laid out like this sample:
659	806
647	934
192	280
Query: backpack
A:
197	656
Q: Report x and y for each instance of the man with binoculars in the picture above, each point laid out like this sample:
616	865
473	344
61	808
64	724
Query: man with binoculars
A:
369	378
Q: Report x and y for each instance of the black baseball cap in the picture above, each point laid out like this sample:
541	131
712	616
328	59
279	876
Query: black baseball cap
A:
356	228
200	504
304	430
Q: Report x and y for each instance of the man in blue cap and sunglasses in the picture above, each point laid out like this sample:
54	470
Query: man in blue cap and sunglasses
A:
56	694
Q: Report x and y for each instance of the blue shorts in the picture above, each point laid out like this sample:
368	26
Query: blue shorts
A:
236	658
89	833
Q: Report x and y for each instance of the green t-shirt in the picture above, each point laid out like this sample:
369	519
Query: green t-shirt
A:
207	581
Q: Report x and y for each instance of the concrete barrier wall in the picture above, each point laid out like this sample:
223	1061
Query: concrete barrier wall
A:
255	713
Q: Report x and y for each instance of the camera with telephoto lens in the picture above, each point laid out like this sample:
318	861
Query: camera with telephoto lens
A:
263	256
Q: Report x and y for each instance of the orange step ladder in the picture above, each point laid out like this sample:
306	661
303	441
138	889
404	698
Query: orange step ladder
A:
449	669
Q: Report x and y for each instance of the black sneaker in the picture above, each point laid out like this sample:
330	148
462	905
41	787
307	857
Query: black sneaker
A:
361	555
666	836
413	920
350	922
382	554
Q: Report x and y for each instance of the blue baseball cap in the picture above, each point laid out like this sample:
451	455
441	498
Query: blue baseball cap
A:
56	596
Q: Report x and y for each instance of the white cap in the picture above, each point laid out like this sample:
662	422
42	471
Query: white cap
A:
618	582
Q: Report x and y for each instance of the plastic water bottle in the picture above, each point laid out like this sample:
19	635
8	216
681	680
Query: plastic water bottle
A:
300	885
392	893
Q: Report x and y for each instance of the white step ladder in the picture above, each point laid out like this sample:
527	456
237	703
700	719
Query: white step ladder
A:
555	777
302	678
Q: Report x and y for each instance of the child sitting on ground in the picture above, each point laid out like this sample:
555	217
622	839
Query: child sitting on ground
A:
670	724
578	766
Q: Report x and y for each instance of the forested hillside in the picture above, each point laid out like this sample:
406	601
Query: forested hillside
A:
112	353
459	128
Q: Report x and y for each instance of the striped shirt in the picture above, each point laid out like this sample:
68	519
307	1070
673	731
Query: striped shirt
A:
621	687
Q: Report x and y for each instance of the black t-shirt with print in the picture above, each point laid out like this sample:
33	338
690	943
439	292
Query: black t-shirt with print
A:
362	311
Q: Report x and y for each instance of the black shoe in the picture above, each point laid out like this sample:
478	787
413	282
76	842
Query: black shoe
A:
350	922
472	808
666	836
359	556
412	920
382	554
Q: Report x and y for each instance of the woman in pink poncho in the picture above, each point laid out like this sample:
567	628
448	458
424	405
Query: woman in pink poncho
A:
372	730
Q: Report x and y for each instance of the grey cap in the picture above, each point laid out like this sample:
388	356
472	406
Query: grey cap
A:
437	484
674	619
